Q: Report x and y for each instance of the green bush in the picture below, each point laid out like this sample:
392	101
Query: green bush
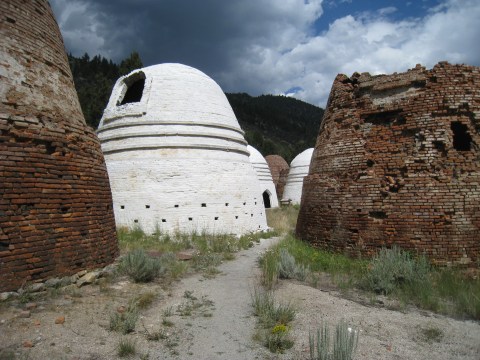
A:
394	268
288	268
140	267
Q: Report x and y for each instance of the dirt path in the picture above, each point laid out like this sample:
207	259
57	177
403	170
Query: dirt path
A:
226	332
201	318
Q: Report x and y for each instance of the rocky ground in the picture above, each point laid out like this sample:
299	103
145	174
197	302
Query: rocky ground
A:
211	318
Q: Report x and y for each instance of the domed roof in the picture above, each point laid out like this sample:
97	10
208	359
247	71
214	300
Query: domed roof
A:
277	162
302	159
298	170
264	176
169	105
176	155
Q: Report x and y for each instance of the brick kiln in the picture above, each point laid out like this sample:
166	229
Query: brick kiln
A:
176	155
279	170
298	170
397	161
56	215
264	176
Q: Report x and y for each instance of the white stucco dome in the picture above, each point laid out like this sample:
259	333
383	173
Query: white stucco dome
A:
267	187
176	156
298	170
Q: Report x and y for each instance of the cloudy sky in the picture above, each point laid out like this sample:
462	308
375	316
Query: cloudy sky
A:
290	47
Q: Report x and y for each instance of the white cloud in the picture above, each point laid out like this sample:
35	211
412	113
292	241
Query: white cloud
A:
367	44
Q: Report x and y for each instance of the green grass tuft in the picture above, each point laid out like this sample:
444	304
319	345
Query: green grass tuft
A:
126	347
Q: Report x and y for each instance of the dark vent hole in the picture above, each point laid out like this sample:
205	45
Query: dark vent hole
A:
176	205
204	205
134	92
135	221
377	214
461	138
147	206
190	219
164	220
216	217
122	207
3	246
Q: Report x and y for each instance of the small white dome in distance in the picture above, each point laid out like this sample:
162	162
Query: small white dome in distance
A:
298	170
264	176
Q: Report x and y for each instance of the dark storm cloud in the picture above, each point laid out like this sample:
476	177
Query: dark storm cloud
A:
270	46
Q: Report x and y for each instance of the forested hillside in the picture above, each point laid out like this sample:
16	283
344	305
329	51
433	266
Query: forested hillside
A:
277	124
272	124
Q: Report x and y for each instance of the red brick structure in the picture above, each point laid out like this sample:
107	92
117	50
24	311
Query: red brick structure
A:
279	169
56	214
397	161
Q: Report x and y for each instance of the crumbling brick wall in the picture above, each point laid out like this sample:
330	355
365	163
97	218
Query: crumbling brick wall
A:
279	169
56	214
397	161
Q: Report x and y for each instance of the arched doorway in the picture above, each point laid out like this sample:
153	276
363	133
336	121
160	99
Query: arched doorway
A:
266	199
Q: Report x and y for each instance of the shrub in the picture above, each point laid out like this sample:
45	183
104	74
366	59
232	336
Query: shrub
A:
344	343
288	268
140	267
394	268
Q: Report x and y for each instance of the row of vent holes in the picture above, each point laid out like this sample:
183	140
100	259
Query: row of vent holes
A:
191	219
203	205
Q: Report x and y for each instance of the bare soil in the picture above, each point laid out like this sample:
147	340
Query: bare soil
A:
211	318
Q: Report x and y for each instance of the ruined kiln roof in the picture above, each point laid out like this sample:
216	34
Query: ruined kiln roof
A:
178	105
277	162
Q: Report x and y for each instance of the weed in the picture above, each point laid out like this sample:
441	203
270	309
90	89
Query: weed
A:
344	345
283	220
195	305
168	312
144	300
140	267
167	323
269	264
431	334
124	322
277	340
154	335
126	347
188	294
268	311
206	261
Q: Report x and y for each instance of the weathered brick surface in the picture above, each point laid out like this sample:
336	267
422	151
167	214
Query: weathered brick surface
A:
56	216
279	169
397	161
